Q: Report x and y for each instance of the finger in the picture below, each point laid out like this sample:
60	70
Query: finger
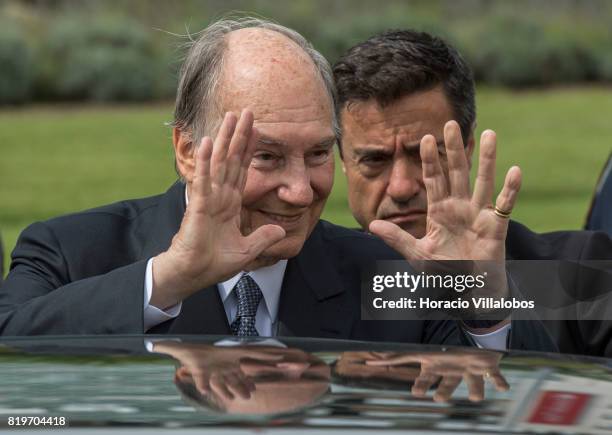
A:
485	179
217	385
458	171
248	382
433	177
201	181
507	197
394	361
400	240
446	388
247	157
498	381
218	164
237	386
261	355
262	238
422	384
201	383
238	145
475	386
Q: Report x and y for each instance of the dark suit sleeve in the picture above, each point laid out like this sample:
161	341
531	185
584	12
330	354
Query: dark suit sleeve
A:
445	332
523	334
41	295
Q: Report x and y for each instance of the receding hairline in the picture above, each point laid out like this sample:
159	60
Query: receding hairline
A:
281	48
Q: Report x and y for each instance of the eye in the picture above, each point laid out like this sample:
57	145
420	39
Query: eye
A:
265	156
373	164
320	156
374	159
265	160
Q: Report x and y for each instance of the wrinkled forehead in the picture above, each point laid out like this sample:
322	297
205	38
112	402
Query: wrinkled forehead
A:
411	116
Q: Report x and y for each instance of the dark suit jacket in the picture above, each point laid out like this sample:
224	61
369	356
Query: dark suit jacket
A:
84	274
581	336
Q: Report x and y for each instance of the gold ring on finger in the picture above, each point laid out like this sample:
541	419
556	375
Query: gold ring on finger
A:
502	213
487	375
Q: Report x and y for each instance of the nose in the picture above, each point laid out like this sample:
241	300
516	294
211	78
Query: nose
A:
296	188
405	181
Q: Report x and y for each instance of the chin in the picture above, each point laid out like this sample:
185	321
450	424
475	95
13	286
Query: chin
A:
289	247
415	229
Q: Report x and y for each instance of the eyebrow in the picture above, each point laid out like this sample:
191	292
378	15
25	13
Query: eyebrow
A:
325	143
385	150
416	145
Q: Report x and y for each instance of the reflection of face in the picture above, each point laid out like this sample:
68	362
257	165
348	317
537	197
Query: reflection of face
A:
292	382
291	173
381	157
353	365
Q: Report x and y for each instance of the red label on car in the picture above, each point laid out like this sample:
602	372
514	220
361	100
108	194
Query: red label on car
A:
559	407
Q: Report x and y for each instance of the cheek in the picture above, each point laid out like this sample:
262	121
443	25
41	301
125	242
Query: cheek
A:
322	179
257	187
365	194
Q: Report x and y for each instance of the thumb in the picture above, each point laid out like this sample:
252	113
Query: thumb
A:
264	237
395	237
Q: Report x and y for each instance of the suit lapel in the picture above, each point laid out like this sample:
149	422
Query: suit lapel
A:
202	312
313	300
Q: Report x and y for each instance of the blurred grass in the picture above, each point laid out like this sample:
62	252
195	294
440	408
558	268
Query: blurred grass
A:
60	159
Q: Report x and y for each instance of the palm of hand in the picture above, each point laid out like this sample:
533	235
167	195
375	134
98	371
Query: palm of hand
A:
457	229
460	225
210	237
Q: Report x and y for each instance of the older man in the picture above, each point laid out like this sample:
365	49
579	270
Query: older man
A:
407	108
238	247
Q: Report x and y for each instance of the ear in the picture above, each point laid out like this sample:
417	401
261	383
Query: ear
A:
184	153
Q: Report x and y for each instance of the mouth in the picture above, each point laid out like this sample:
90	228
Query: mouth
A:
409	216
282	219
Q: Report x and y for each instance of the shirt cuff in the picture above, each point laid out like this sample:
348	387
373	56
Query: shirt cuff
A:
152	315
495	340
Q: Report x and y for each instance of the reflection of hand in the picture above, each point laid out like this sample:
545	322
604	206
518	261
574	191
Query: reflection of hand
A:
209	246
228	383
247	379
460	226
216	369
449	368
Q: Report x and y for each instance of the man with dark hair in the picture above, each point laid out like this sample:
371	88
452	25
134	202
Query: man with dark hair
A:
406	102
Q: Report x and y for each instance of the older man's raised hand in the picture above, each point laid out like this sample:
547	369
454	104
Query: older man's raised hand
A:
209	246
460	225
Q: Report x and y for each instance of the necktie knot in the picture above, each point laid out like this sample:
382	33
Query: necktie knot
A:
249	295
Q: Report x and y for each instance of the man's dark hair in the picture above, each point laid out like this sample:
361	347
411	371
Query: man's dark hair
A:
396	63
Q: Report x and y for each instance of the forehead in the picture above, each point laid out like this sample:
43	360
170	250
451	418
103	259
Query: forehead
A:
407	119
271	75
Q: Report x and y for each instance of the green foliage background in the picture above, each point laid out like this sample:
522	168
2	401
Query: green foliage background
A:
60	158
118	50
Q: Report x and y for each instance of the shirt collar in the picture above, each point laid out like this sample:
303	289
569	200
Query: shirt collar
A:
269	279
